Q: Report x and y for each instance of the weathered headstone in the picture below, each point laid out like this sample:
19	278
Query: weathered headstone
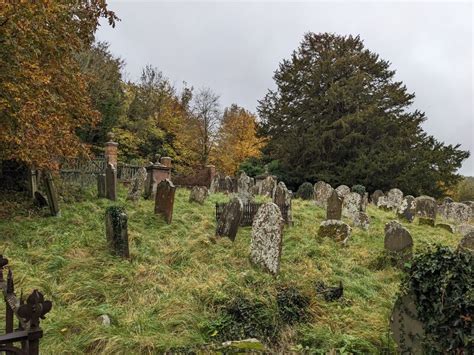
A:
111	182
362	220
198	194
268	186
465	228
266	243
334	206
214	187
456	212
229	185
426	208
407	208
467	242
282	198
351	204
343	190
336	230
322	191
164	199
398	241
32	182
244	184
395	198
52	193
229	220
116	231
374	198
365	202
101	190
137	184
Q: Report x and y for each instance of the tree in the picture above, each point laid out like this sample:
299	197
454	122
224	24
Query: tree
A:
206	110
338	115
236	139
43	94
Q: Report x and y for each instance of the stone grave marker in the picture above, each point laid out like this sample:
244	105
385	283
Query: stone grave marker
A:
198	194
244	184
137	185
362	220
457	212
426	208
467	242
229	220
407	208
322	191
343	190
351	204
116	231
374	198
229	185
282	198
266	243
336	230
164	199
101	190
334	206
268	186
111	182
52	193
398	242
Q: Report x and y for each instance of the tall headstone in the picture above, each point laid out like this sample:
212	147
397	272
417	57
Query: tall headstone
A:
266	243
391	201
214	187
407	208
32	182
52	193
198	194
398	241
116	231
343	190
244	184
351	204
164	200
136	187
229	220
322	191
268	186
426	208
101	190
374	198
229	185
282	198
334	208
111	182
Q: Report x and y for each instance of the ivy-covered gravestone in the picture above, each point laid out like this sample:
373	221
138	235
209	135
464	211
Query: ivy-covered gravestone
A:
116	230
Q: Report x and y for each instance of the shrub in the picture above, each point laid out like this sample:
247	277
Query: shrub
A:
305	191
360	189
292	305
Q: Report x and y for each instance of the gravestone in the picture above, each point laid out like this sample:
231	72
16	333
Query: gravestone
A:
407	208
426	208
198	194
457	212
374	198
398	242
336	230
322	191
467	242
334	206
351	204
244	184
268	186
164	199
52	193
32	182
362	220
266	243
111	182
465	228
40	199
365	202
343	190
229	220
116	231
101	191
282	198
214	187
137	184
229	185
395	198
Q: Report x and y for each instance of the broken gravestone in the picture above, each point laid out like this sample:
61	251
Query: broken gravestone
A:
164	199
266	243
336	230
282	198
137	185
116	231
198	194
322	191
426	208
398	242
352	204
229	220
407	208
334	206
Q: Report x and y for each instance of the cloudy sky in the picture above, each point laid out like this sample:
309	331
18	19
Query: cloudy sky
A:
234	48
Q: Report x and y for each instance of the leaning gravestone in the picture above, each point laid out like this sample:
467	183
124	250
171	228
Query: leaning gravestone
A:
229	220
407	208
322	191
334	206
398	242
266	243
268	186
136	187
101	190
362	220
198	194
116	231
52	193
282	198
336	230
244	184
343	190
111	182
374	198
426	208
352	204
164	199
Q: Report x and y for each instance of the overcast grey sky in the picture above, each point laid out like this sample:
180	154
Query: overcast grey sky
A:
234	48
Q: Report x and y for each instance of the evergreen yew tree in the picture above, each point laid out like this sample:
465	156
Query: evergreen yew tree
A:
339	115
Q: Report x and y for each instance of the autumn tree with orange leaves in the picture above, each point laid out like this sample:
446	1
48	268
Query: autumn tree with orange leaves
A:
237	139
43	95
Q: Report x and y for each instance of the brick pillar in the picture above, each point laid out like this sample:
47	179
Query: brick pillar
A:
155	174
111	148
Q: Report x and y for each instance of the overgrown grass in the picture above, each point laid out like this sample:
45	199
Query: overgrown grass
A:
178	287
